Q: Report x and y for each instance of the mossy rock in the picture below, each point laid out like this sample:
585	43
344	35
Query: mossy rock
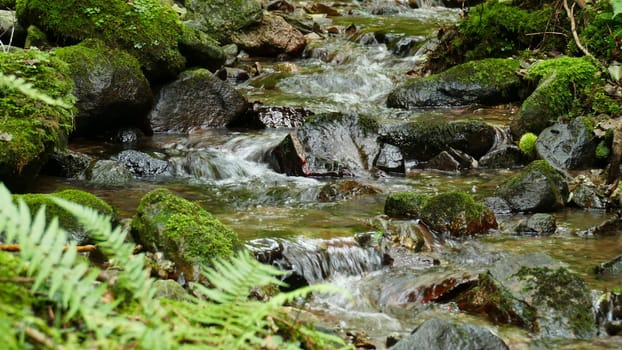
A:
32	129
147	29
559	82
200	49
537	188
405	204
489	82
75	230
183	231
457	214
221	18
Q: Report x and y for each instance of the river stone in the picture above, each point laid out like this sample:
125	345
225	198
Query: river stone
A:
271	37
611	267
260	116
141	164
109	173
504	156
329	144
221	18
111	89
169	289
451	160
183	231
567	146
457	215
344	190
537	188
390	159
196	100
422	140
539	224
489	82
67	163
200	49
126	136
436	334
587	197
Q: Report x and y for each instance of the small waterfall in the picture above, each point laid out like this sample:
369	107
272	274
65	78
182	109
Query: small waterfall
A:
315	260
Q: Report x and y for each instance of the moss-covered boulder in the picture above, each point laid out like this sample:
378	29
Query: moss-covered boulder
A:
197	99
405	204
271	37
147	29
457	214
487	82
221	18
31	129
112	90
422	140
200	49
537	188
183	231
76	232
559	82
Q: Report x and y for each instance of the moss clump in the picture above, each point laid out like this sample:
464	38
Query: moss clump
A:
405	204
457	214
602	150
66	220
147	29
30	127
527	144
186	233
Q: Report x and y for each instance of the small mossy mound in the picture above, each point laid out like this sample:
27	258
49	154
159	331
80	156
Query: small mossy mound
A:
405	204
183	231
602	150
66	220
559	83
457	214
527	144
32	129
148	29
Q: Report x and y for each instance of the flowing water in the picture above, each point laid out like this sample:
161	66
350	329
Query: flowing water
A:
224	172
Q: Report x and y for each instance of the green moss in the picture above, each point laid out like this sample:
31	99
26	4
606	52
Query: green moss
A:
11	293
405	204
601	32
220	18
527	144
7	4
602	150
147	29
35	37
66	220
182	230
34	127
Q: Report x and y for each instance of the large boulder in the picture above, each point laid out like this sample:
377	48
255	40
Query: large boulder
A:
558	81
183	231
221	18
330	144
568	146
272	36
30	129
436	334
422	140
196	100
537	188
147	29
112	90
76	232
487	82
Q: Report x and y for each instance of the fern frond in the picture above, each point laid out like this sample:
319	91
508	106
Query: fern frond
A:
11	82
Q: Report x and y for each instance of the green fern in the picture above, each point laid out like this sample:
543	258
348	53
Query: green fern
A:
11	82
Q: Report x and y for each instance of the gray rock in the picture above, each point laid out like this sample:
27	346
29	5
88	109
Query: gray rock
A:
442	335
505	156
109	173
539	224
587	197
567	146
200	49
67	163
271	37
390	159
451	160
141	164
220	19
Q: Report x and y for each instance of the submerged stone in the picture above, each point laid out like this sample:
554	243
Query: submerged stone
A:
540	224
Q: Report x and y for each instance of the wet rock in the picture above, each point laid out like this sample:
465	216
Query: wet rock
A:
487	82
612	267
457	215
422	140
588	197
9	27
344	190
440	334
538	224
111	89
220	19
451	160
280	5
390	159
405	204
506	156
196	100
199	49
109	173
126	136
404	46
318	7
266	250
183	231
271	37
141	164
170	289
498	205
538	188
329	144
261	116
609	313
568	146
67	163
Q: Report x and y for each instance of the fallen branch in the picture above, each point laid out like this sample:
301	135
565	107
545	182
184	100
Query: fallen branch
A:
573	28
17	248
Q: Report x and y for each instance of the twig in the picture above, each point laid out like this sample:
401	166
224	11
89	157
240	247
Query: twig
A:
16	279
545	33
17	248
41	338
573	28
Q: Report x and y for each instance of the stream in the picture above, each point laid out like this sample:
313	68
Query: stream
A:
224	171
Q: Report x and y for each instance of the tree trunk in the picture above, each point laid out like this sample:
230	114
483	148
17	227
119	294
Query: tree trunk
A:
614	166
